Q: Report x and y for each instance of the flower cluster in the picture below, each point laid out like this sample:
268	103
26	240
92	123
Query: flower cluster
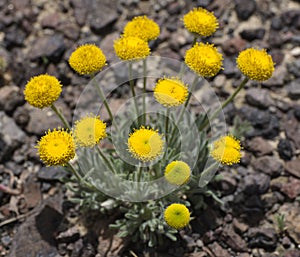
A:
146	144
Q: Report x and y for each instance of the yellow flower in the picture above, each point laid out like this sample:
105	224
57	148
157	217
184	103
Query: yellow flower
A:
177	215
201	21
57	147
143	28
255	64
87	59
170	92
145	144
130	48
177	173
204	59
226	150
89	131
42	91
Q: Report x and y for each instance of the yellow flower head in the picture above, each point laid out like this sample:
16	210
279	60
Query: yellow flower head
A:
57	147
89	131
130	48
42	91
177	173
226	150
87	59
170	92
143	28
255	64
204	59
145	144
177	215
201	21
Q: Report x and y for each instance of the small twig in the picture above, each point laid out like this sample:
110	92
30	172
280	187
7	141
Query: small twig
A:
11	220
10	191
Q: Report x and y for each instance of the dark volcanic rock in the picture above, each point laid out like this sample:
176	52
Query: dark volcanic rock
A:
38	232
51	47
269	165
51	173
233	240
293	89
265	123
285	149
10	98
277	23
293	167
292	188
233	46
252	34
244	8
259	98
255	183
11	136
292	130
259	146
294	68
102	13
14	36
218	250
265	238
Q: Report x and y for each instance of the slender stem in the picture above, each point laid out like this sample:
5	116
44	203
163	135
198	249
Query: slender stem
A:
184	107
61	116
131	83
70	166
105	159
144	89
167	124
103	99
226	102
195	40
139	171
182	69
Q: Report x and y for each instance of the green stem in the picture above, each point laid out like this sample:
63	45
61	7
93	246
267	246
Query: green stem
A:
131	83
105	159
70	166
185	105
144	89
103	99
195	40
167	124
226	102
61	116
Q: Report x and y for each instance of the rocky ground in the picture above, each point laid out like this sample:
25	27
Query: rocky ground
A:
261	215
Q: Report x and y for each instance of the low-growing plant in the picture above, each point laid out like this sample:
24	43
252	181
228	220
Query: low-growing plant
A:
155	160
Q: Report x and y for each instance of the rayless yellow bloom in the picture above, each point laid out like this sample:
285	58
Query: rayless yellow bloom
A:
226	150
87	59
145	144
57	147
143	28
89	130
201	21
170	92
255	64
42	91
131	48
177	215
204	59
177	173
